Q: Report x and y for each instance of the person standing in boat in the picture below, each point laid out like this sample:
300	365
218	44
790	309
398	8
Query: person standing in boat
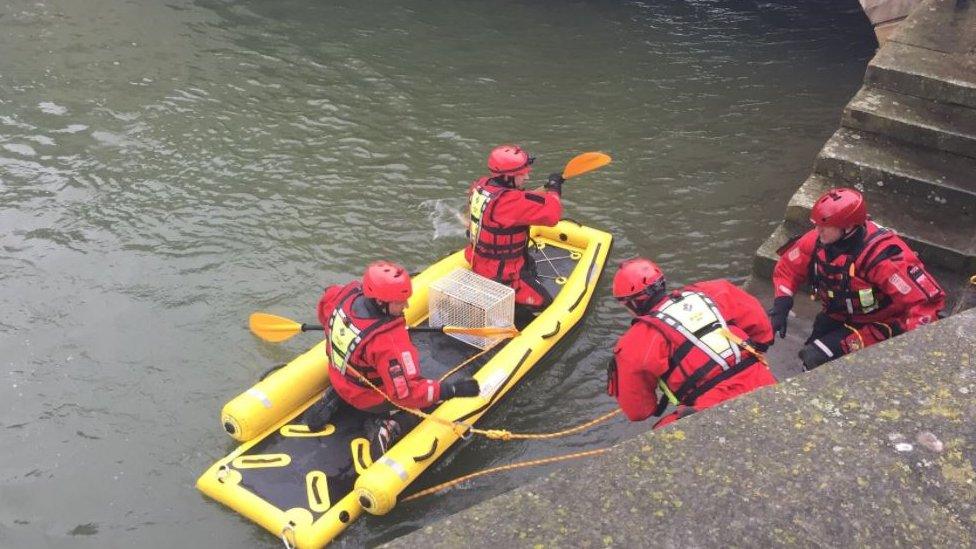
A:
680	342
500	212
872	285
366	337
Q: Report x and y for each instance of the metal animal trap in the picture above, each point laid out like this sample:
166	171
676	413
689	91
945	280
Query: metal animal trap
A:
464	298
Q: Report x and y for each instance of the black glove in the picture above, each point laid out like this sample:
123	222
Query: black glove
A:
779	314
555	183
461	388
761	347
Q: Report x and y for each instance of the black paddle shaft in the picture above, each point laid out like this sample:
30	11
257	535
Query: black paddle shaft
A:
319	328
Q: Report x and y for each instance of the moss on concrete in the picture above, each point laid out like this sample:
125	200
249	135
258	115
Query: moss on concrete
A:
872	450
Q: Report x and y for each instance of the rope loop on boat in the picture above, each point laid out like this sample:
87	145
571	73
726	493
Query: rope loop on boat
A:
289	543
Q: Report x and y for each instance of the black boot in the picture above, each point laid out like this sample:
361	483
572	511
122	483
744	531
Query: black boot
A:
318	415
382	433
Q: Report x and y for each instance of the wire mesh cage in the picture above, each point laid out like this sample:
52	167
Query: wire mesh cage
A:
464	298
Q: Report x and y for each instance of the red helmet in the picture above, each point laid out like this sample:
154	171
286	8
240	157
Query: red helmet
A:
509	160
840	208
387	281
635	276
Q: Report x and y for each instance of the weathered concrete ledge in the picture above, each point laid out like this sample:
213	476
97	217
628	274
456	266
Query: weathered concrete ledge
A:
876	450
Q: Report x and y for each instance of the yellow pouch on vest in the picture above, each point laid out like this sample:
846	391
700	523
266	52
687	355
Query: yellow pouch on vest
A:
866	297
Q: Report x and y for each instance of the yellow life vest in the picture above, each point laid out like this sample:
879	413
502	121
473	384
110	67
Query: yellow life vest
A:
696	317
345	336
480	198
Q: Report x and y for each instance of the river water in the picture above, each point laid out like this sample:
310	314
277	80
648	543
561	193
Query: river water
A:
166	168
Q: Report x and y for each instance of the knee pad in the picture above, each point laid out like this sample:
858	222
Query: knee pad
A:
318	415
812	355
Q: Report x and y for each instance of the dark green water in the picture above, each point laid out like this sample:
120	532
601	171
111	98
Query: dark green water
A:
166	168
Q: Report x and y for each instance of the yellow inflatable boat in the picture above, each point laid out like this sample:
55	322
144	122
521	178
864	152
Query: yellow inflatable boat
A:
308	487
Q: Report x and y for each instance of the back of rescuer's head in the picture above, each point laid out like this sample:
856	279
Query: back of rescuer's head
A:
841	208
386	282
509	161
639	284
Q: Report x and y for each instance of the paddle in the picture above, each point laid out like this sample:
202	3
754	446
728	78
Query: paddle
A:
585	162
275	329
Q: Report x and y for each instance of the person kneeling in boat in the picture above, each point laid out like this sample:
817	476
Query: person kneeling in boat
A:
872	285
367	344
500	213
678	342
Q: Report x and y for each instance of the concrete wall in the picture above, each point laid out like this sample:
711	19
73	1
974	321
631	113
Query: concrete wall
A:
885	15
876	449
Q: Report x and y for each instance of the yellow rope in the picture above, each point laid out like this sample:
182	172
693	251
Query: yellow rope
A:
744	344
463	429
532	463
855	332
459	428
463	364
501	434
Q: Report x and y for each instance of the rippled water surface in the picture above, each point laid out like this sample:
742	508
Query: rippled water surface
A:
166	168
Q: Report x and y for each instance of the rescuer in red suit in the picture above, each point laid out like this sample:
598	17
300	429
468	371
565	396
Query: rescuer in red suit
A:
871	284
366	336
677	343
500	211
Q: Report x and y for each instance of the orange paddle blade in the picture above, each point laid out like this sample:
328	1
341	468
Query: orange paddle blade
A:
273	328
585	162
487	331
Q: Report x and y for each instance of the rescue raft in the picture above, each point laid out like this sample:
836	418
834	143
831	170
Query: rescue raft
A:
308	487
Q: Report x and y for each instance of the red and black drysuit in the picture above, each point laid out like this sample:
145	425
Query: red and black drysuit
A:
498	234
658	349
871	284
381	351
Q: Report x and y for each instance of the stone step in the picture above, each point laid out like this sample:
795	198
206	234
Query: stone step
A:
912	119
939	240
766	258
940	25
939	182
911	70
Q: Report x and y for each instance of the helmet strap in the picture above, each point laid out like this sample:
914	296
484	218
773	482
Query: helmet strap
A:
852	231
505	180
377	306
645	300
